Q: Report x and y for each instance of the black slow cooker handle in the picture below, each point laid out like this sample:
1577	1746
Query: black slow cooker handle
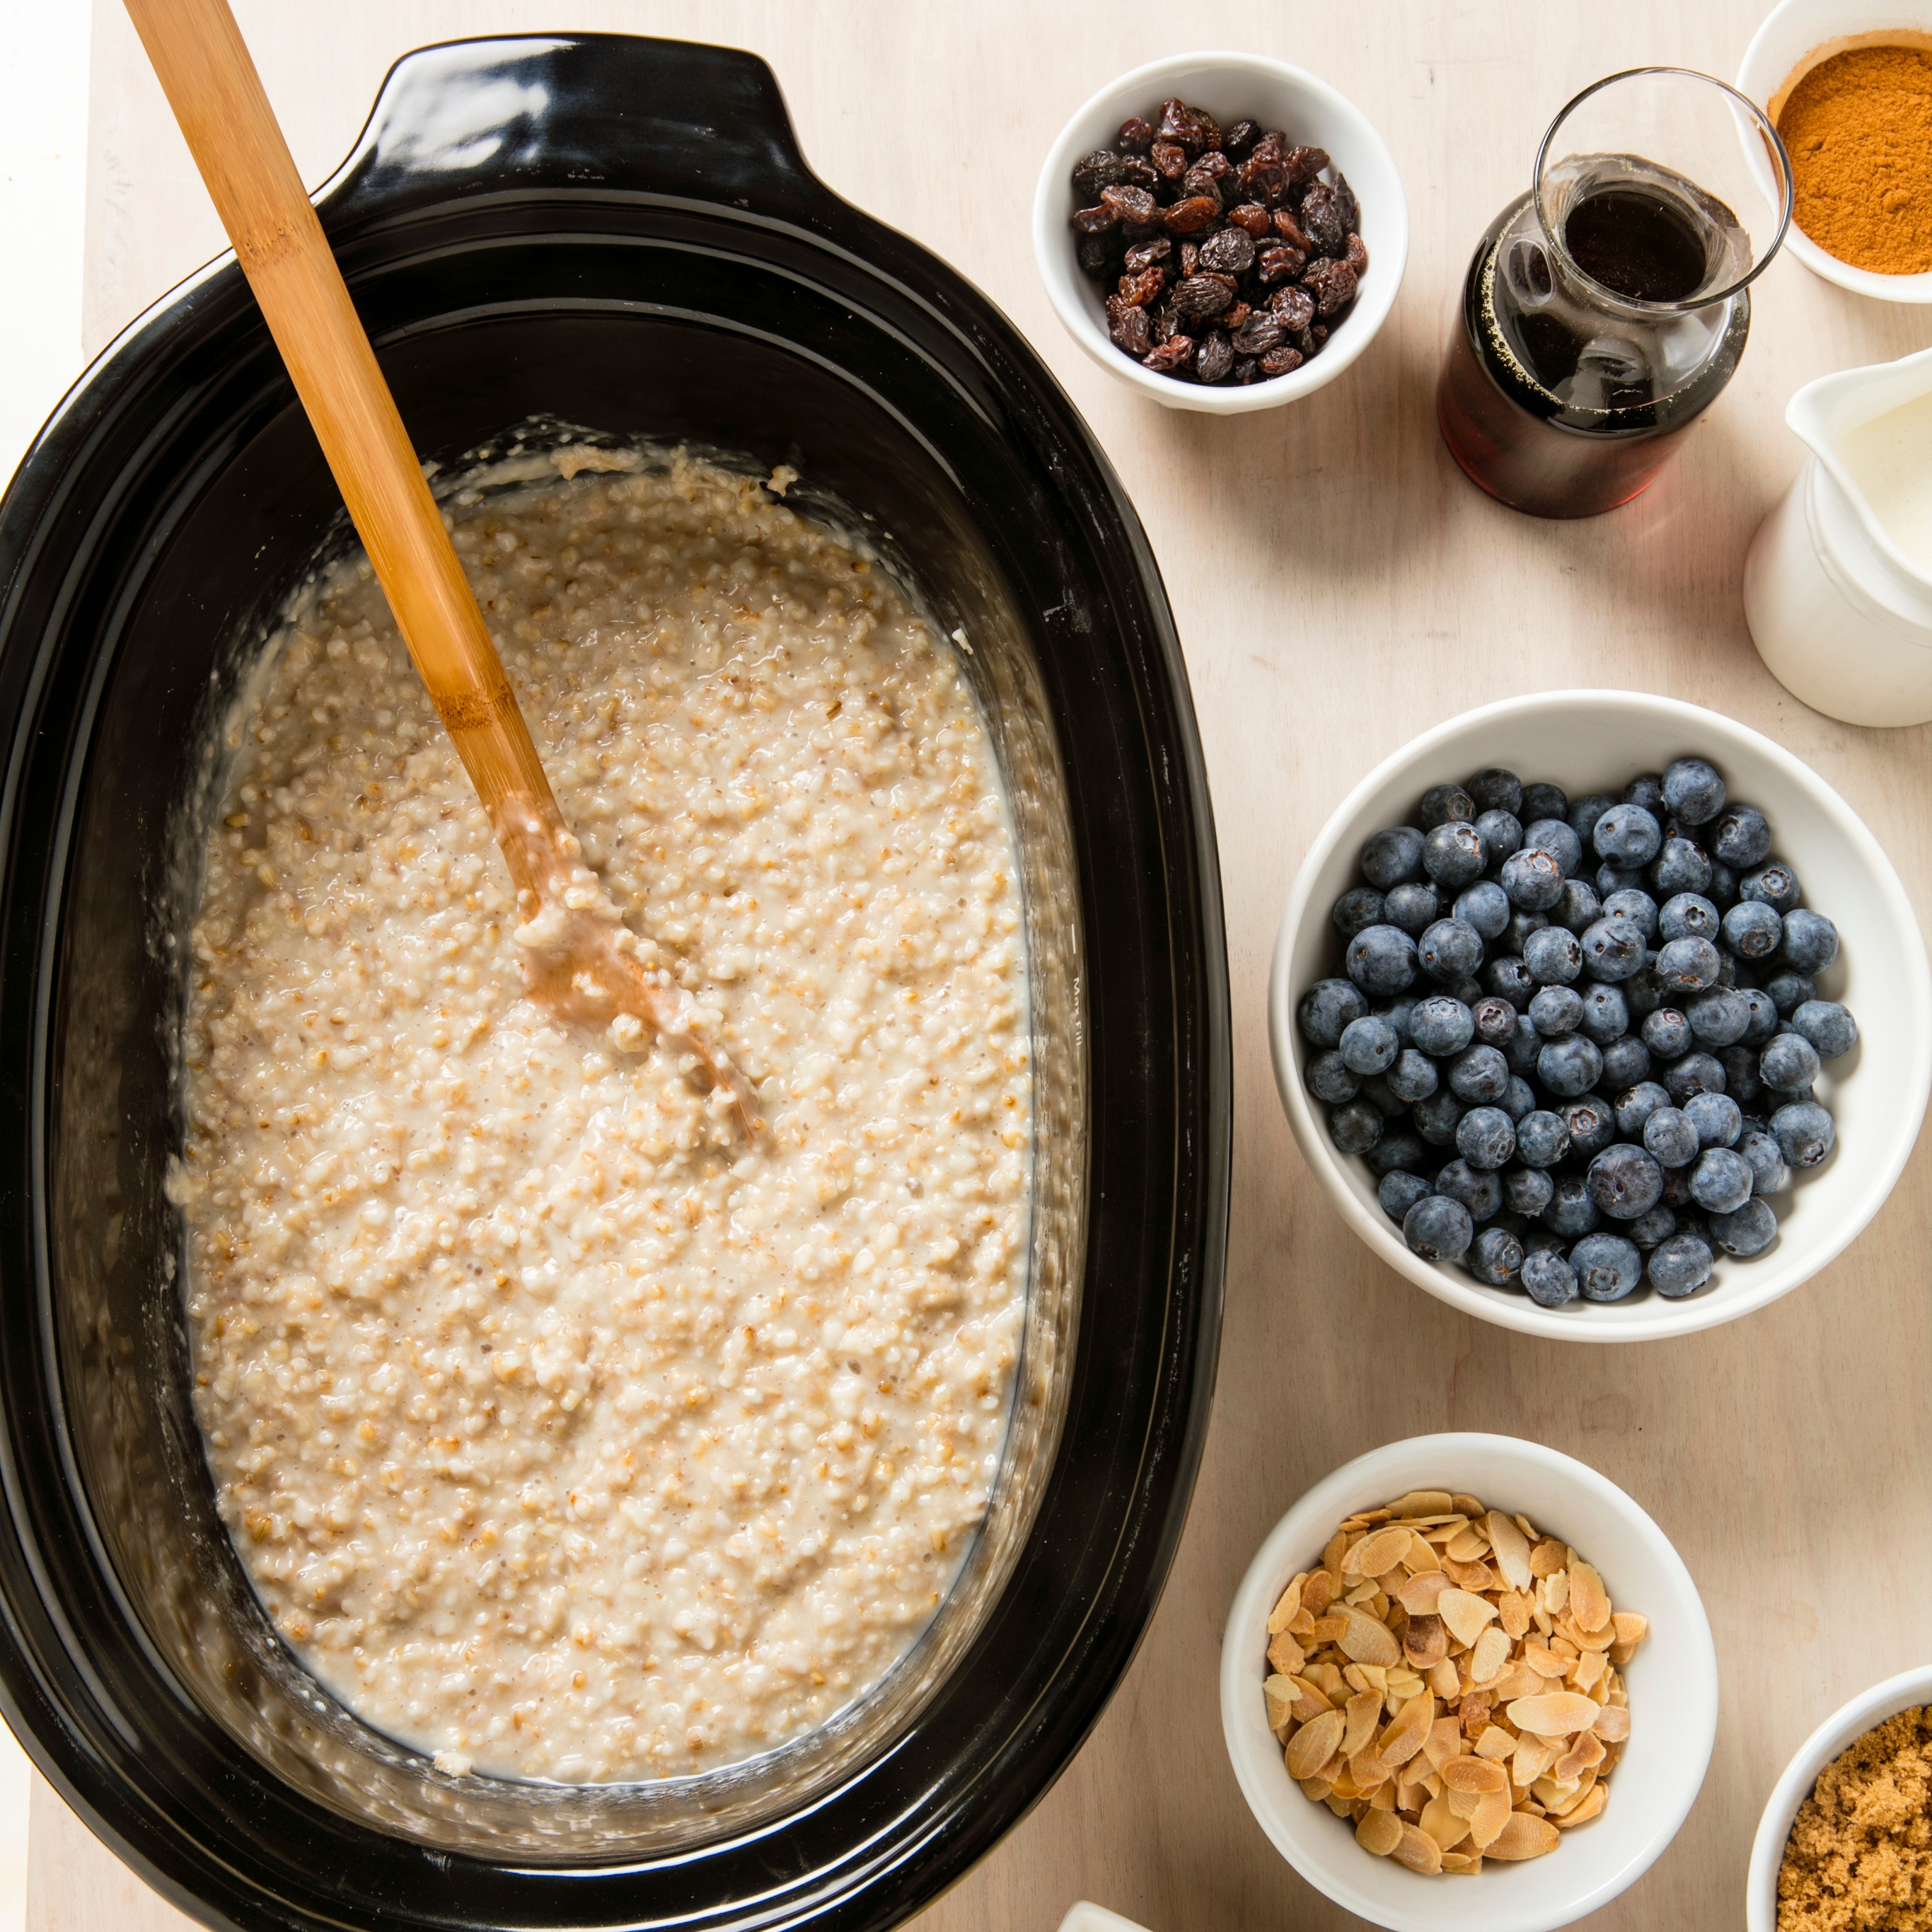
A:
671	120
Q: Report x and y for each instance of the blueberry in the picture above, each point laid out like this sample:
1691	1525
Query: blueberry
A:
1722	892
1450	950
1484	908
1811	941
1717	1117
1626	1063
1643	992
1494	1256
1789	991
1693	791
1578	908
1437	1228
1721	1180
1511	979
1445	805
1393	857
1804	1132
1396	1012
1414	1076
1635	1105
1553	836
1627	836
1684	966
1554	956
1397	1149
1827	1026
1501	833
1485	1137
1769	1175
1648	1230
1381	1096
1526	1190
1764	1015
1688	916
1326	1008
1542	1138
1680	867
1435	1117
1718	1018
1495	1020
1740	837
1369	1045
1695	1073
1752	930
1624	1181
1774	885
1740	1065
1476	1188
1592	1123
1519	1098
1532	879
1677	1188
1613	948
1413	907
1329	1079
1556	1010
1571	1212
1495	789
1548	1279
1569	1067
1679	1266
1543	801
1522	1046
1605	1017
1358	907
1608	1267
1745	1231
1612	879
1453	855
1670	1137
1584	812
1667	1033
1381	959
1789	1063
1646	789
1479	1075
1441	1025
1639	908
1354	1128
1400	1192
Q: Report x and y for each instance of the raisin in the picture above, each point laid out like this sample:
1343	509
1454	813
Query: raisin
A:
1235	314
1246	370
1093	220
1166	323
1278	263
1332	284
1201	296
1289	230
1257	335
1144	254
1096	257
1137	171
1239	139
1098	170
1143	288
1304	164
1263	178
1128	328
1196	131
1189	217
1252	217
1349	209
1293	308
1134	137
1214	358
1355	254
1228	251
1174	353
1320	219
1169	159
1190	256
1280	361
1195	185
1129	204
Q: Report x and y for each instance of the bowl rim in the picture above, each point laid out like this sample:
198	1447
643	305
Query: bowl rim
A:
1516	1311
1051	252
1836	1734
1759	88
1332	1497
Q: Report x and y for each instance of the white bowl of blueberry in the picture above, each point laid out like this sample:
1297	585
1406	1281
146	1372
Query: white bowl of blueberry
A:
1601	1016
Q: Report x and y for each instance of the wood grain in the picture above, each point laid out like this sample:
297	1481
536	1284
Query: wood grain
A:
1339	587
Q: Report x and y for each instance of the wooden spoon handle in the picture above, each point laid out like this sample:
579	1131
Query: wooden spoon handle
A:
211	83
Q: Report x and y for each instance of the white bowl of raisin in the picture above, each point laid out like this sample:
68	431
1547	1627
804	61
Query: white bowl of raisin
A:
1223	231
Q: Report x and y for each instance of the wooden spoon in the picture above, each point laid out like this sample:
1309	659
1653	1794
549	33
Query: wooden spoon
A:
579	957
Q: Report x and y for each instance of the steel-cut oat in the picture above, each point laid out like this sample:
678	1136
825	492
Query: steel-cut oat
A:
563	1436
1448	1679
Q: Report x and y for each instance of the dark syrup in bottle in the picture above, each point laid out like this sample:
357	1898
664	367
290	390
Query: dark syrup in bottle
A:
1560	401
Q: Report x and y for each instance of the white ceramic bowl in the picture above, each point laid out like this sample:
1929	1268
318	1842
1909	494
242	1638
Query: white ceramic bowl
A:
1673	1681
1840	1731
1599	740
1232	87
1796	35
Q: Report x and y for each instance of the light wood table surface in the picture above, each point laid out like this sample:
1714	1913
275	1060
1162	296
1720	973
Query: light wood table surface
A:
1339	587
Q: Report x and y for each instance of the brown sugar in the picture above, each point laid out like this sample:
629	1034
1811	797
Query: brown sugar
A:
1858	127
1859	1858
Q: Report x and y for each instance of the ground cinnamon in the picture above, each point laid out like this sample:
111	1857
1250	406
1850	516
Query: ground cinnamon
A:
1859	129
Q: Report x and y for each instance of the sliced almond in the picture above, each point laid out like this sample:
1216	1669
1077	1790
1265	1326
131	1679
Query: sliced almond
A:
1469	1545
1460	1864
1585	1754
1382	1552
1367	1772
1362	1713
1523	1836
1491	1814
1631	1629
1553	1593
1495	1744
1440	1822
1474	1711
1557	1714
1418	1851
1406	1735
1443	1529
1421	1556
1511	1549
1468	1505
1489	1655
1466	1615
1544	1663
1476	1774
1444	1681
1314	1743
1477	1576
1288	1606
1519	1681
1574	1794
1425	1642
1338	1548
1589	1601
1403	1684
1328	1629
1316	1789
1421	1502
1598	1796
1286	1655
1379	1832
1310	1701
1444	1742
1512	1613
1418	1596
1283	1694
1533	1757
1546	1558
1464	1803
1588	1671
1613	1724
1366	1641
1317	1593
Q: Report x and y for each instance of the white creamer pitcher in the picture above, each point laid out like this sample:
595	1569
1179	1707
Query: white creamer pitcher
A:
1840	612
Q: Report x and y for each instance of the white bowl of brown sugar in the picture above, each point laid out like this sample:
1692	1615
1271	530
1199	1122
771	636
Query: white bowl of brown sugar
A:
1848	84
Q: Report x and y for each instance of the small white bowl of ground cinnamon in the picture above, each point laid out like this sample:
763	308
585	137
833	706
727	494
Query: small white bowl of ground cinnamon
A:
1845	1844
1848	84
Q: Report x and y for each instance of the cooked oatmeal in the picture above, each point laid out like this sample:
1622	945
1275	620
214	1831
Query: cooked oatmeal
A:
564	1434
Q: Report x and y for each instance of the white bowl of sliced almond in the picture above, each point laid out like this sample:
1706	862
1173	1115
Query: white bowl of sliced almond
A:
1468	1685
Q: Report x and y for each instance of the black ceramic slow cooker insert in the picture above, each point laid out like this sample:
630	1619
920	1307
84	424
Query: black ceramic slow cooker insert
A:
618	233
